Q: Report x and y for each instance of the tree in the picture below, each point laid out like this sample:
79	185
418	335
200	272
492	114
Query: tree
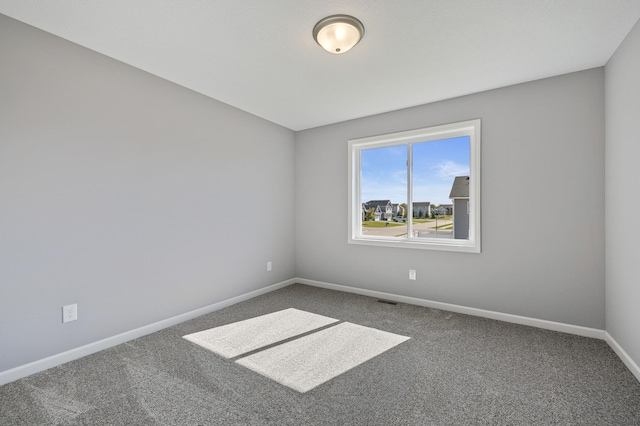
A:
403	207
369	216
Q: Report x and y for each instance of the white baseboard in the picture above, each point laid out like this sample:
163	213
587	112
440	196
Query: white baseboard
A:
516	319
623	355
64	357
25	370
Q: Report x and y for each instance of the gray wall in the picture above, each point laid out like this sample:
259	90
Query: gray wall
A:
542	211
127	194
622	194
135	198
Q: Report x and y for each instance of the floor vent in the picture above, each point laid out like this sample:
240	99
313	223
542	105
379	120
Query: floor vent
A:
387	302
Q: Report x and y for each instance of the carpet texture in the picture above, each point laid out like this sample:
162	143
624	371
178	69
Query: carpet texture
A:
455	370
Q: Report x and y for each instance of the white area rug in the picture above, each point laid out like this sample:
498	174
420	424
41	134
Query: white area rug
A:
245	336
309	361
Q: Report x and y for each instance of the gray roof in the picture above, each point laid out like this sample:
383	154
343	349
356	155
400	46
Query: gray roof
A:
376	203
460	188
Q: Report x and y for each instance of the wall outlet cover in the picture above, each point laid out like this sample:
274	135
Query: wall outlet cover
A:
70	313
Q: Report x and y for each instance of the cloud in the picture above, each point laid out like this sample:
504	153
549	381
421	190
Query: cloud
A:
395	193
450	169
434	193
391	184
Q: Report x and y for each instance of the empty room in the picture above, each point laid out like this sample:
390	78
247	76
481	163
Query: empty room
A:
319	213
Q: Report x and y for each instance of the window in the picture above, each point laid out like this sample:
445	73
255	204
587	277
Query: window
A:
417	189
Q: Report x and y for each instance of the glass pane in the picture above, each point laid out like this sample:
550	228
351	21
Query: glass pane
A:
383	193
441	188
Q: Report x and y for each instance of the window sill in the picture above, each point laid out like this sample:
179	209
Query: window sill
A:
464	246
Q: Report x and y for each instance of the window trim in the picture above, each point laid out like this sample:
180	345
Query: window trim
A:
471	128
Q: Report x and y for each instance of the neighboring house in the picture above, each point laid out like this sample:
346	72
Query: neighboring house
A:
446	208
442	209
397	210
383	209
421	209
460	197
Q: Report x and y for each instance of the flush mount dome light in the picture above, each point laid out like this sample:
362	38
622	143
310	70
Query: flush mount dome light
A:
338	33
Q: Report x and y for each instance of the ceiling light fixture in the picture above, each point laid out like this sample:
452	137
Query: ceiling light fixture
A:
338	33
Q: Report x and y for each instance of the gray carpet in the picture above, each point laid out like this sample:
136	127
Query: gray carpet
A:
455	369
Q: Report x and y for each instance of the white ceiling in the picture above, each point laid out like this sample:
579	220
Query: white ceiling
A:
259	55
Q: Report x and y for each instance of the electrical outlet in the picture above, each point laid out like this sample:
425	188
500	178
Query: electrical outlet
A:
70	313
412	274
269	266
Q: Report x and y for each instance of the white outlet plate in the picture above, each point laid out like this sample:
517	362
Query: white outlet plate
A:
269	266
412	274
70	313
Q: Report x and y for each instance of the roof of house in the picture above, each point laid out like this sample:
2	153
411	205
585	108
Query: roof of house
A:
376	203
460	188
422	204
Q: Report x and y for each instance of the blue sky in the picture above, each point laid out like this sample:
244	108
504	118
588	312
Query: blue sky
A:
435	165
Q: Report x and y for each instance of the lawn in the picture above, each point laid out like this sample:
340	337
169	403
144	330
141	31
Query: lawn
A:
380	224
447	226
444	217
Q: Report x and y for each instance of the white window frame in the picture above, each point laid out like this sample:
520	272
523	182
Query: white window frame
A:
471	128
